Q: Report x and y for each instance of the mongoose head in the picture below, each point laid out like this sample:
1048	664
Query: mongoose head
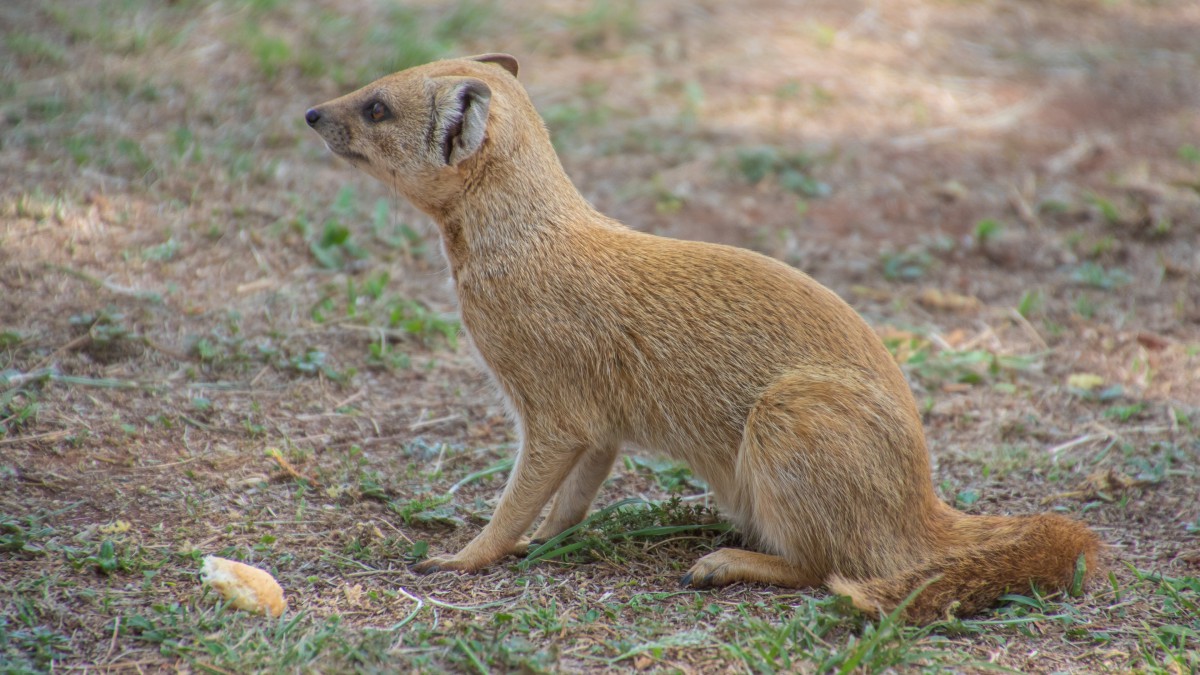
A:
423	131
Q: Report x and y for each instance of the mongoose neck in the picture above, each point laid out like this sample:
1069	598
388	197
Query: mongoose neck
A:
510	205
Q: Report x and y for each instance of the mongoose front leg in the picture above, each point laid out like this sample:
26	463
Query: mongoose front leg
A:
577	492
539	470
729	565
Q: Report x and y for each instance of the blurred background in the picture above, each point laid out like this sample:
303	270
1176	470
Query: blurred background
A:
1044	148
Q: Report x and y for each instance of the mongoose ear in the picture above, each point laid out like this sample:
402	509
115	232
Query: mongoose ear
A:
505	61
462	113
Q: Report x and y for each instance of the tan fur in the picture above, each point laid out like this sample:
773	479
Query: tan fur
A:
767	384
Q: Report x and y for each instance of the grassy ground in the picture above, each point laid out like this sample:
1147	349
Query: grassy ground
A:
217	339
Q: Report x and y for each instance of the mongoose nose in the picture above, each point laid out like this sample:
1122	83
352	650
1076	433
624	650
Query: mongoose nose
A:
312	116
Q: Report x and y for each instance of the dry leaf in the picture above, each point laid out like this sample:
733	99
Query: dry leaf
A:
115	527
951	191
906	342
1102	485
1085	381
869	293
1152	342
1111	480
368	531
956	338
934	298
354	595
248	481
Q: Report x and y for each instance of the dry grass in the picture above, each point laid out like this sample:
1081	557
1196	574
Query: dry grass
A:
214	338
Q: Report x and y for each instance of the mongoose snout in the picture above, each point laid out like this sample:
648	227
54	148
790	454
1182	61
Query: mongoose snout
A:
334	131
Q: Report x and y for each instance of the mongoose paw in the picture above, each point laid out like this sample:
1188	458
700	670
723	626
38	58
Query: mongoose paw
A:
445	563
524	546
708	572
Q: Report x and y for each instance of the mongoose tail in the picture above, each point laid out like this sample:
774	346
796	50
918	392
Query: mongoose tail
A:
982	558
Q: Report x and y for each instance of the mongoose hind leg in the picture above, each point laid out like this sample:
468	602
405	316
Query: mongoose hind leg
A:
832	474
729	565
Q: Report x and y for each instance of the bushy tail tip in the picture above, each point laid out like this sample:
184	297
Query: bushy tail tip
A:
983	558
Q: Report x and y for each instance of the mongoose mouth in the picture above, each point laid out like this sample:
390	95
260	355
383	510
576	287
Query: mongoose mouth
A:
350	155
337	147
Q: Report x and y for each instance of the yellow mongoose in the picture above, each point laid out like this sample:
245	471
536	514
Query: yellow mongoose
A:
766	383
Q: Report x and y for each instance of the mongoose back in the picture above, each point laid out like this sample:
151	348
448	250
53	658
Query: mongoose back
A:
765	382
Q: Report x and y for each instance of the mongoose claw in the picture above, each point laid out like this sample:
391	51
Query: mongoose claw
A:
690	579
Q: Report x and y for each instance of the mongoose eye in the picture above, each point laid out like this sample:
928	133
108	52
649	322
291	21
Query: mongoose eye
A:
376	111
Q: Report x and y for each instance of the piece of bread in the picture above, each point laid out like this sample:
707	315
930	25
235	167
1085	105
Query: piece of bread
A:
248	588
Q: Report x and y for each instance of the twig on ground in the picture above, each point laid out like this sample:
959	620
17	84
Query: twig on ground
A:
350	399
112	644
287	467
1001	119
77	342
393	333
424	424
378	573
254	380
48	436
136	293
1028	328
15	380
1088	438
1024	210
